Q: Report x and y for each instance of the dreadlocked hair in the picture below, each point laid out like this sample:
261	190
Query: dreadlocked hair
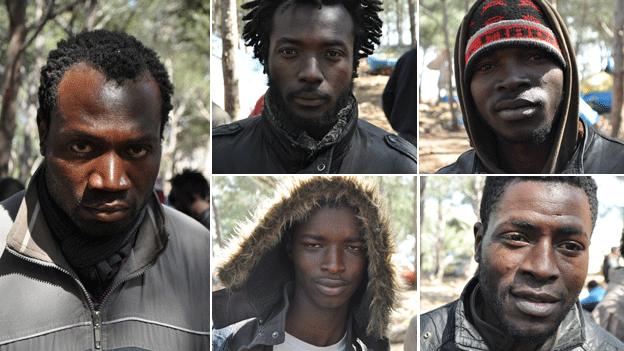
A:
364	13
119	56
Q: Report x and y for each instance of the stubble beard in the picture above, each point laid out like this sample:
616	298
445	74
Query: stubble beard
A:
324	123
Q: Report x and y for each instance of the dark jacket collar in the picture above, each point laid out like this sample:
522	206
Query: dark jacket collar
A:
296	149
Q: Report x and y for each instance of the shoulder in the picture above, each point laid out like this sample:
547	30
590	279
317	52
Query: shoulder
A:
436	326
387	140
465	164
187	235
235	128
599	339
602	154
221	338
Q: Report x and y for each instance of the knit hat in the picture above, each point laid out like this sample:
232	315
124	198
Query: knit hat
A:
496	23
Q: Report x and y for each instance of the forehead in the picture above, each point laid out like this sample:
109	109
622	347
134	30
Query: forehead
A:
86	97
309	21
543	204
331	222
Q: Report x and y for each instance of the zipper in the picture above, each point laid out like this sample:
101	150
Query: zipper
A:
96	316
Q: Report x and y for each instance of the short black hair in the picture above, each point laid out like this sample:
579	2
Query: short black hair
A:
186	187
592	284
495	188
117	55
364	13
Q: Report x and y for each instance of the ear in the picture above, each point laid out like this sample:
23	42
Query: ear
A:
42	127
478	235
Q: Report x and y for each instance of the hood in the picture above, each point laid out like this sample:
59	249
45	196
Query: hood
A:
261	267
566	125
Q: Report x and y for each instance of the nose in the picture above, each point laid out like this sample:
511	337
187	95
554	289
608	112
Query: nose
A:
109	174
541	262
333	261
513	76
310	71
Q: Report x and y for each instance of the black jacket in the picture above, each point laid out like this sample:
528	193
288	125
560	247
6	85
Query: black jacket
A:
250	312
596	153
399	100
255	145
448	329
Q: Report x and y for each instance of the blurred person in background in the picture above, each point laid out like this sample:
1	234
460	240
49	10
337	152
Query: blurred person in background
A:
532	247
9	186
399	100
596	294
190	194
610	311
611	260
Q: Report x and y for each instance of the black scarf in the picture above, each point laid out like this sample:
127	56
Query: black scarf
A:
96	260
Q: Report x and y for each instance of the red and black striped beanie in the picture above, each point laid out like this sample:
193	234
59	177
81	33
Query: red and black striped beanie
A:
495	23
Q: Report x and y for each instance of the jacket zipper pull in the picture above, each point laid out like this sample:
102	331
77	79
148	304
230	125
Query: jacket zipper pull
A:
97	330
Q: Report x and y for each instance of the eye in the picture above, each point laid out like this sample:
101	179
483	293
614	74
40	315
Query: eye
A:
137	151
334	54
312	245
357	249
485	67
572	247
81	148
287	52
515	239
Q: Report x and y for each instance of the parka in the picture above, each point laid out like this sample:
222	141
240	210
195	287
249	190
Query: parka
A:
157	301
448	328
577	147
249	313
258	145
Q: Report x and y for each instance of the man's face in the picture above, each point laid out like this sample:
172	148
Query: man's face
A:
533	257
310	62
102	149
517	91
329	258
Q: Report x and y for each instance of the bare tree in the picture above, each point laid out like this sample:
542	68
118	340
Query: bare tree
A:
399	20
618	75
449	80
21	35
411	6
229	37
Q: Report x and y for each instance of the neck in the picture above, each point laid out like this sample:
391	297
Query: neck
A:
320	327
523	157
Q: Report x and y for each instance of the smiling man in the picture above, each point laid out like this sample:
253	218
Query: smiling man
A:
518	88
532	247
91	259
313	274
310	50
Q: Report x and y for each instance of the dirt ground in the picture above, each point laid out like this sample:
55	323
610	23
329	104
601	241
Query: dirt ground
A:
438	144
368	90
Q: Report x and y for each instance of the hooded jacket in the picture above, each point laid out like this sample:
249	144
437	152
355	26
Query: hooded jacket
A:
259	145
250	312
157	301
572	151
448	328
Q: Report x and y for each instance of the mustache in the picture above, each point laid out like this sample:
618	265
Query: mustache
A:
97	198
308	93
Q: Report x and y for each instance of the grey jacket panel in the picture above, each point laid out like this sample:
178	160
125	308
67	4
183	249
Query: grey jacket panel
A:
159	300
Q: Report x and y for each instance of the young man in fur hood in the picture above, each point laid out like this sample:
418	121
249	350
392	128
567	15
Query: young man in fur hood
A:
314	272
518	88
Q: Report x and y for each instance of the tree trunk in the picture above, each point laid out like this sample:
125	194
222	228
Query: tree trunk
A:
417	207
217	223
11	80
618	76
229	32
399	21
449	66
411	7
439	245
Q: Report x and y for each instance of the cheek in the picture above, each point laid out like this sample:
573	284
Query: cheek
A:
574	272
502	264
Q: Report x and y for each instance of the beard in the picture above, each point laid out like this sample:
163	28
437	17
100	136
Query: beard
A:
314	126
496	296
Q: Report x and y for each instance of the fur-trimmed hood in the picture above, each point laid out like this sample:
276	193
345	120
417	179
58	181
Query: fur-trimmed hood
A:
255	274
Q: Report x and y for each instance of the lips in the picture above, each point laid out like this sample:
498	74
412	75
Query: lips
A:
107	212
331	286
535	303
310	99
515	109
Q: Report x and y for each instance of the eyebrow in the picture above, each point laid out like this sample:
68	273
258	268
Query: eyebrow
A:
565	231
74	134
327	42
321	238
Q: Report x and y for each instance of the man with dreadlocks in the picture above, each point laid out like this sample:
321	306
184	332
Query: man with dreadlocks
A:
89	259
310	51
